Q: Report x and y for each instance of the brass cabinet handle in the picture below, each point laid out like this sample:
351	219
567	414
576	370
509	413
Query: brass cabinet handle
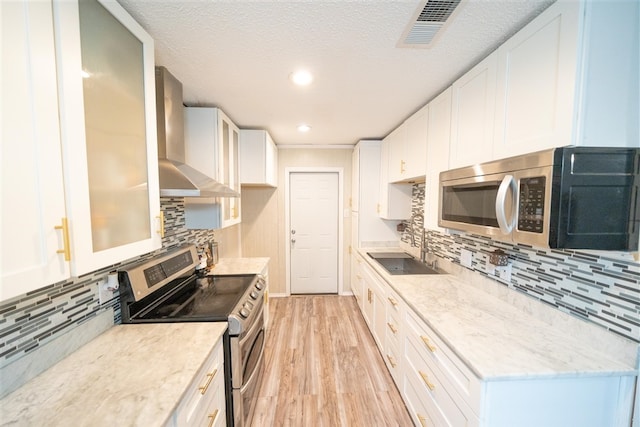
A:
203	389
426	342
402	169
359	277
393	301
213	417
378	208
391	361
161	220
65	239
393	328
423	420
425	378
369	295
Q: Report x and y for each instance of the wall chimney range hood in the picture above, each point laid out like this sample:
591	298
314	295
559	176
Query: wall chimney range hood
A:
178	179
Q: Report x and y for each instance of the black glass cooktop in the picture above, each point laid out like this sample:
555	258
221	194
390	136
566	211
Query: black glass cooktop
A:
207	298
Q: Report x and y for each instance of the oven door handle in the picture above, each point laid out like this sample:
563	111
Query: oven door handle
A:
505	224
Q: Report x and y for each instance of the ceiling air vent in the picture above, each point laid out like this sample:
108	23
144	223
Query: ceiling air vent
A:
429	18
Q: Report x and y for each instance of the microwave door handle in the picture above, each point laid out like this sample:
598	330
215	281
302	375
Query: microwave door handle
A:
505	224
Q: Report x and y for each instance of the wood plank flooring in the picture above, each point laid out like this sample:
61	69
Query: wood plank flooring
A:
322	368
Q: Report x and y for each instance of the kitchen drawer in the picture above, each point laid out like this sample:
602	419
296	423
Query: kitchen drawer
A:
414	399
393	358
445	408
394	303
393	334
454	374
204	398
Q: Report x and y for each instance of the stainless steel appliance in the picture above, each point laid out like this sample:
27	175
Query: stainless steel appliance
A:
168	289
177	178
569	197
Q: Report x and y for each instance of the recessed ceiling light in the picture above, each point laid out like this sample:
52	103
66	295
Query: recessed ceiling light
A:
304	127
301	77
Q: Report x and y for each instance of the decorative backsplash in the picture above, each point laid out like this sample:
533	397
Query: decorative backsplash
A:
599	287
31	320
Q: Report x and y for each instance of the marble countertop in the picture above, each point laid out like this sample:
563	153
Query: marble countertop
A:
227	266
494	339
129	375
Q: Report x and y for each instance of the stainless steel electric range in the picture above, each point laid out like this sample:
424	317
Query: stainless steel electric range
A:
170	289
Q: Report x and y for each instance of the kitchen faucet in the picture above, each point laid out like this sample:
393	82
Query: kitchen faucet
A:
423	248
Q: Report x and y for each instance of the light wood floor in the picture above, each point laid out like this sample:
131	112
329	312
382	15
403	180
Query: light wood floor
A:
322	368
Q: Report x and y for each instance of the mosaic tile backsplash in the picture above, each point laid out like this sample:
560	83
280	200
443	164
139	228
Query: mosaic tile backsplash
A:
33	319
596	286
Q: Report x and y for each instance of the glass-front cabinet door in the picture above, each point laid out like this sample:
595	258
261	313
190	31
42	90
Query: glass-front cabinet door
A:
107	103
230	136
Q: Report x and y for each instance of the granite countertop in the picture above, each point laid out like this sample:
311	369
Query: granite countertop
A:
129	375
494	339
228	266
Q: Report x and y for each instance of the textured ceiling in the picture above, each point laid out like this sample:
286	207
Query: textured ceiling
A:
237	55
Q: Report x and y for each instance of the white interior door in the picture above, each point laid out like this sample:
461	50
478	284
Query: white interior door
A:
313	236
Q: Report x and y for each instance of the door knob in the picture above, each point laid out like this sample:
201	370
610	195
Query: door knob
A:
293	231
293	240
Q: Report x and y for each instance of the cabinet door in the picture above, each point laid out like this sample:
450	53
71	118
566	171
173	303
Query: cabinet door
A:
415	156
438	141
230	176
108	132
32	183
395	199
536	83
473	102
397	161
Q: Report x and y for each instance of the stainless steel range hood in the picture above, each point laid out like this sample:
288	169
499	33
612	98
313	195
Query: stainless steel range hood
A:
178	179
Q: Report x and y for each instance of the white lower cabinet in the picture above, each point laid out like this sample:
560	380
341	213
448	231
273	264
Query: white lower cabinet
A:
394	335
439	389
374	306
204	401
357	280
445	384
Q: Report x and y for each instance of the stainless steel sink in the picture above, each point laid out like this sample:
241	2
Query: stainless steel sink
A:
398	263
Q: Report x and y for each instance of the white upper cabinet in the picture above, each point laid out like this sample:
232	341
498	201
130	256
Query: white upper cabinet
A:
567	78
407	149
212	147
258	161
472	114
394	200
438	140
537	83
79	152
32	180
365	196
396	142
106	84
416	145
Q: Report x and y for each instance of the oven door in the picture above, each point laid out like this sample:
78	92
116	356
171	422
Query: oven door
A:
247	370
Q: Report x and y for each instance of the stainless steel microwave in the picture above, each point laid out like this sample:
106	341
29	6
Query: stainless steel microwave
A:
568	197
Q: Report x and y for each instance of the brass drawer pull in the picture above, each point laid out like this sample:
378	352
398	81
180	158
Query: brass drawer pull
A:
65	239
393	328
210	376
391	361
393	301
160	217
426	341
428	383
423	420
213	417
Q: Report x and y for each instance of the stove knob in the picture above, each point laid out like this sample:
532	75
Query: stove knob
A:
254	294
244	313
259	286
